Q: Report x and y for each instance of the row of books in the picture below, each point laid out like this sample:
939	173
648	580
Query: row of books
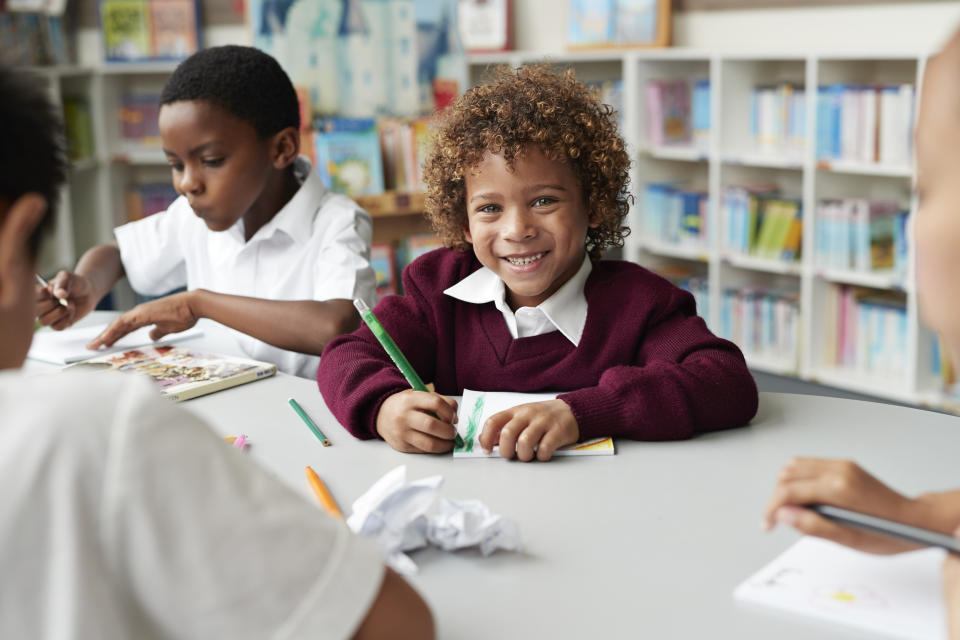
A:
764	323
761	222
135	30
865	123
146	199
778	119
365	156
861	234
36	39
865	331
388	260
678	112
691	281
674	214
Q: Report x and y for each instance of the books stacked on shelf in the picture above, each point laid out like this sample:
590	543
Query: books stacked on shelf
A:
348	155
383	261
673	119
674	214
778	119
144	200
866	331
405	145
36	39
761	222
78	127
861	234
415	246
138	30
763	322
689	280
865	123
138	115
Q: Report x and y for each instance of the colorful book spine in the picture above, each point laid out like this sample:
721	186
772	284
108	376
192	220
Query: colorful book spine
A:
675	215
778	119
670	112
761	222
865	123
869	332
861	234
763	323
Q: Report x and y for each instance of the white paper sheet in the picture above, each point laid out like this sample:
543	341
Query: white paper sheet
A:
70	345
477	406
898	596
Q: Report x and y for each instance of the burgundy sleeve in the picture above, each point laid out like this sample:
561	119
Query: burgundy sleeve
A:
686	381
356	375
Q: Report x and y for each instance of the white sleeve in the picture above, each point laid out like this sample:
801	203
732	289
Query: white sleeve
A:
152	250
215	547
342	267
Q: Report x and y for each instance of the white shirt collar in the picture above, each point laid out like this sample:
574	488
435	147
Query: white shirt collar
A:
566	309
296	217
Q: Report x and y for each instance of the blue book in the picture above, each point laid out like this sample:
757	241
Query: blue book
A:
350	161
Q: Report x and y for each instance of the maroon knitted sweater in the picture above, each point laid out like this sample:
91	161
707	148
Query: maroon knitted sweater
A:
646	367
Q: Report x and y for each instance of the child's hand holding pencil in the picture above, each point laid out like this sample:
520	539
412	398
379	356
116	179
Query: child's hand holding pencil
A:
406	423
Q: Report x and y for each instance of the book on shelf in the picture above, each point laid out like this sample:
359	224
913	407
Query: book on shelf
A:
143	30
762	322
405	144
146	199
778	119
78	127
139	115
182	373
675	214
415	246
862	235
383	259
866	331
678	112
865	123
761	222
349	159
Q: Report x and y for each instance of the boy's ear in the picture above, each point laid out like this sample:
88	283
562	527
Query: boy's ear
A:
285	147
467	236
16	227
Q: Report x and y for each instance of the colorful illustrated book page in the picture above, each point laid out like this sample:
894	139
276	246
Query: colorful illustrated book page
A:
182	373
477	406
895	596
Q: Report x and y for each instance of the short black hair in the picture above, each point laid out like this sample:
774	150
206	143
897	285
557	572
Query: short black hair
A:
243	81
32	150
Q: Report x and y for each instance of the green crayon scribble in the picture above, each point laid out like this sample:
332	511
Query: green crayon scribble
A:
473	422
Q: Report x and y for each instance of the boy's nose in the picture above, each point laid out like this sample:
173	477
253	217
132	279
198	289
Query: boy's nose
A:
518	225
189	181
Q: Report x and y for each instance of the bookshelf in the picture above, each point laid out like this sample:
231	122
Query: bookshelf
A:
730	156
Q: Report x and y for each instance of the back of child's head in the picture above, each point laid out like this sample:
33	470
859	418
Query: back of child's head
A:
243	81
32	157
534	106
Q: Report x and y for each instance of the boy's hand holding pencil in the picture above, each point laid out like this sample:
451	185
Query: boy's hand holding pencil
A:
64	300
406	423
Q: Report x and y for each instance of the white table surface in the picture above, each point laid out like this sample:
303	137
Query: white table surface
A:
647	543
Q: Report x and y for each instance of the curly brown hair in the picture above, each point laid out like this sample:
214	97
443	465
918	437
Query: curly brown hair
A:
532	105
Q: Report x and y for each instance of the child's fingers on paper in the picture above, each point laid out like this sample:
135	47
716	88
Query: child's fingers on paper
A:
426	443
529	440
550	442
450	403
426	423
490	434
437	404
510	435
119	328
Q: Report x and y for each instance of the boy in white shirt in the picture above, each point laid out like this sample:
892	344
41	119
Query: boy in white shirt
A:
125	517
257	240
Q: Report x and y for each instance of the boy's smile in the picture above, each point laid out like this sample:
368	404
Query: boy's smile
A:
528	224
221	165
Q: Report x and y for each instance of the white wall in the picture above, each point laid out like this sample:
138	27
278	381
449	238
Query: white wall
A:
905	27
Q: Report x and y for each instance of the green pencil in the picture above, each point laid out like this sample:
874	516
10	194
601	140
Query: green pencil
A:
310	423
394	352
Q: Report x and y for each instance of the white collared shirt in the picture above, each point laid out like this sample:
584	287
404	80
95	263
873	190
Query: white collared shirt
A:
317	247
564	311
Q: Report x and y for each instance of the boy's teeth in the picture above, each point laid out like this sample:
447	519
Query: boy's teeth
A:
526	260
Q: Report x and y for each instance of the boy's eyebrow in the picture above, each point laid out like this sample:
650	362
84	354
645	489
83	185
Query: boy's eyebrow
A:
536	187
483	196
197	149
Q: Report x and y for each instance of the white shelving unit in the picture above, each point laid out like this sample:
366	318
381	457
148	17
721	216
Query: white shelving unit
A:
730	158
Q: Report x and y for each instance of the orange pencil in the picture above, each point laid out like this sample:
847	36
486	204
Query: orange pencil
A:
323	495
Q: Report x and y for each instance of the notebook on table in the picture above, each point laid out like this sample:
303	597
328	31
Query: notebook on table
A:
182	373
70	345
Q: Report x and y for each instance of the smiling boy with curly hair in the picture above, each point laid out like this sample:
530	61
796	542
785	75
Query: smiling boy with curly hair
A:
527	185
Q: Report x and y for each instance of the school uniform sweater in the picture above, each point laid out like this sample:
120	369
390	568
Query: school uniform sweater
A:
646	367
